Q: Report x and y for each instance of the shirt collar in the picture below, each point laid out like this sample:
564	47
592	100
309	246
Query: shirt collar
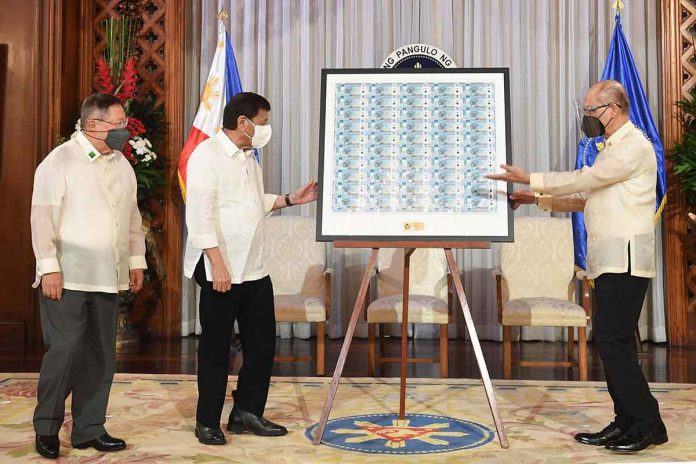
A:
620	132
89	150
228	145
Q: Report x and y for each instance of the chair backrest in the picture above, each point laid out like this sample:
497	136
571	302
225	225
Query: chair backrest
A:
294	259
540	262
428	273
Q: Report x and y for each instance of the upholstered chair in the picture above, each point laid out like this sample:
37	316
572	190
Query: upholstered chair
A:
301	278
430	300
536	286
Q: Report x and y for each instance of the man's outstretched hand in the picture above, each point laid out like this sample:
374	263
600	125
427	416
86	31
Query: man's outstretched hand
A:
522	197
511	174
305	194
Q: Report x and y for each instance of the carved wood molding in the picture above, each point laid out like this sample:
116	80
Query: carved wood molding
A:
678	78
151	44
173	205
160	48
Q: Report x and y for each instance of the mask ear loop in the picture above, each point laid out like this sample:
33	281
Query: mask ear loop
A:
244	132
605	110
88	132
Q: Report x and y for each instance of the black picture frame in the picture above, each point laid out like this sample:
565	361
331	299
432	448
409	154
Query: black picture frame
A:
321	237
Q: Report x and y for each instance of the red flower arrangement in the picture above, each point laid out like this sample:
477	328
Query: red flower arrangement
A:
125	91
145	122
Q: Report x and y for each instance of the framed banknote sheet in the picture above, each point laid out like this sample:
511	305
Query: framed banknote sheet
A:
403	154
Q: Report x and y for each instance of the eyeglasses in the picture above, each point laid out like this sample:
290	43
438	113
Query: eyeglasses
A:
588	110
118	124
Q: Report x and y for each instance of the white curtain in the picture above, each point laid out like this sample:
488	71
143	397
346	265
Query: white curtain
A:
554	48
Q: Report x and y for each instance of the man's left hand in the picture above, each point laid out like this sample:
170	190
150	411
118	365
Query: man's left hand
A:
136	280
511	174
305	194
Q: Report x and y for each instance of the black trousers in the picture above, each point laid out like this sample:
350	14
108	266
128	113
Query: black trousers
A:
251	304
619	302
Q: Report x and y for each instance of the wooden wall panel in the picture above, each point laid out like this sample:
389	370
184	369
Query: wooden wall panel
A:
86	47
19	102
39	94
173	205
679	78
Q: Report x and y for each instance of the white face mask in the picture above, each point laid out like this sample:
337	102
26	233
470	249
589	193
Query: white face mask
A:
262	135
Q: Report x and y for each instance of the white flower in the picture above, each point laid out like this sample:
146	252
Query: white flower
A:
142	150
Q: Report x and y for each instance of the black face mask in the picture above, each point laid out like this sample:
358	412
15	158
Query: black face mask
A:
115	138
592	126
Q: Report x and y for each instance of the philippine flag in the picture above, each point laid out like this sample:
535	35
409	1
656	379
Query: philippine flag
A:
223	83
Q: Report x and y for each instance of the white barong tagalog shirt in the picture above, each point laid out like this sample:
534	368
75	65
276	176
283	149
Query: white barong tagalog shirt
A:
225	208
617	196
85	221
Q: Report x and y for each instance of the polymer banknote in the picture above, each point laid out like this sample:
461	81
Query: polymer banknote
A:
414	147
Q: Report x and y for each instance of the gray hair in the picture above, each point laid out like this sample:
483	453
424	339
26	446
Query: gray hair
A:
96	106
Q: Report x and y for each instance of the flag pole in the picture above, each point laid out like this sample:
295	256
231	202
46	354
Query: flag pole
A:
222	15
618	5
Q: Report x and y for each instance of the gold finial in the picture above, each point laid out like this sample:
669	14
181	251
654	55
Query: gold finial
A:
222	15
618	5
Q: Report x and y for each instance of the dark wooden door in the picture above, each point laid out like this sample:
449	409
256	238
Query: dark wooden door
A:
39	97
20	126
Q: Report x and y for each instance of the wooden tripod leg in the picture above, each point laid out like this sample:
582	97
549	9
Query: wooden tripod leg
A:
488	386
359	304
404	333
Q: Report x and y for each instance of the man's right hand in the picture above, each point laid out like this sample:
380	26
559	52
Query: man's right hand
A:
222	282
522	197
52	285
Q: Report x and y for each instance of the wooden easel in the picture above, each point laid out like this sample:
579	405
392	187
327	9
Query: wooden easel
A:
409	248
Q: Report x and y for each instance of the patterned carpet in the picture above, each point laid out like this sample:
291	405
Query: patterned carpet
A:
155	415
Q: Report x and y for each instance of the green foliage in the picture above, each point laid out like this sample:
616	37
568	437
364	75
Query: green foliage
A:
152	118
120	39
683	155
150	176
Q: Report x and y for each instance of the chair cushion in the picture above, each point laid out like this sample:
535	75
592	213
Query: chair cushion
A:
421	309
549	312
299	308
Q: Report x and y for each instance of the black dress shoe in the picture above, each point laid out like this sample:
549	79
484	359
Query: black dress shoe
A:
635	440
103	443
608	434
209	435
242	421
48	446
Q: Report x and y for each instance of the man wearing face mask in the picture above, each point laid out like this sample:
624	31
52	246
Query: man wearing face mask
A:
225	208
617	196
89	245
